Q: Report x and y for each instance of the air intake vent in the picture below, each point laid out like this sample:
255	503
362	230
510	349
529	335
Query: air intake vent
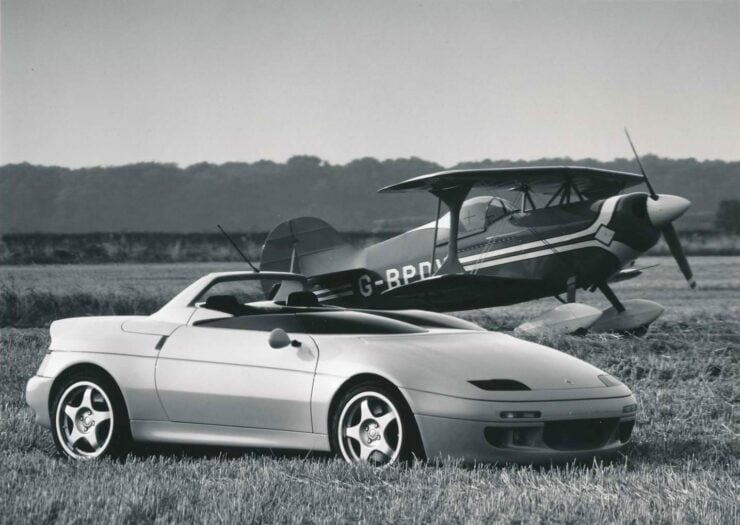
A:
580	434
499	385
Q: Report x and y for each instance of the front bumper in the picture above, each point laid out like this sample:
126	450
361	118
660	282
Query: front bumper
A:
37	397
566	430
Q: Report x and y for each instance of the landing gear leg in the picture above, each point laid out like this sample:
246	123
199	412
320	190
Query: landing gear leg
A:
571	284
611	296
631	317
570	291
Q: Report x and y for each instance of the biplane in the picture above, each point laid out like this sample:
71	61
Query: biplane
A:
568	228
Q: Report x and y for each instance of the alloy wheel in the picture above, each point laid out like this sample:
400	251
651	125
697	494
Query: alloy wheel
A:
84	420
370	429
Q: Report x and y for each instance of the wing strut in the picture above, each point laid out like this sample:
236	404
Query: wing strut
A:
436	229
453	197
526	198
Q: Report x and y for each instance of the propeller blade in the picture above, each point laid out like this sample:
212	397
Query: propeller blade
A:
653	194
671	238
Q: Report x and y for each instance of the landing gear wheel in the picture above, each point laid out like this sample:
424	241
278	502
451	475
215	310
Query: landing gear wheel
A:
89	419
372	424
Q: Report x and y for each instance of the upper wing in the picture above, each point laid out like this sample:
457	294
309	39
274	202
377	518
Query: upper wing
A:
592	183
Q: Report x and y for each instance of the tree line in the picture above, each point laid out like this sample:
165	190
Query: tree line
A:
253	197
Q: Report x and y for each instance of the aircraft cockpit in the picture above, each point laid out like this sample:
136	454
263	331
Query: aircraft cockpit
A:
476	215
479	212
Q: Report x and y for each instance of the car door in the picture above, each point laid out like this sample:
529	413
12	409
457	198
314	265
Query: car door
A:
224	372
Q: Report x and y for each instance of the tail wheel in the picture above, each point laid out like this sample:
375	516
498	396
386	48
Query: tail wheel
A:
89	417
372	424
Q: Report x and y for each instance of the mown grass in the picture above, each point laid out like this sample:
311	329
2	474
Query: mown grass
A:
37	308
35	295
683	465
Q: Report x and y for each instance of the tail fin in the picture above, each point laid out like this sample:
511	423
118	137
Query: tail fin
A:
309	246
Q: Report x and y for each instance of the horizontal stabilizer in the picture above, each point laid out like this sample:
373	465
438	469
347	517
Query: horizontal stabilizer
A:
625	275
307	245
629	273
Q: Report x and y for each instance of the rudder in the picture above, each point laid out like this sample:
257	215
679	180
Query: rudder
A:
309	246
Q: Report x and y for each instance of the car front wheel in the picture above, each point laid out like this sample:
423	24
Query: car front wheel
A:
372	424
90	420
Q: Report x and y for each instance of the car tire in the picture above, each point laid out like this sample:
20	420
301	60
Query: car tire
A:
372	423
88	417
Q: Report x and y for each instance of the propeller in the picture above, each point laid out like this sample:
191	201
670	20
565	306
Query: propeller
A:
662	211
653	195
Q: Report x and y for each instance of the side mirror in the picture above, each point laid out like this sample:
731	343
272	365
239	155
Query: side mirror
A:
279	338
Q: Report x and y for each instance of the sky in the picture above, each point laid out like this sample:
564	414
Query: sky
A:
101	82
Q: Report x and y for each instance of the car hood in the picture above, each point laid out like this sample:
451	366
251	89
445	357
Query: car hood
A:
446	362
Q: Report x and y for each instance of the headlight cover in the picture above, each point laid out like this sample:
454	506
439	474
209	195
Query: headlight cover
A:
499	385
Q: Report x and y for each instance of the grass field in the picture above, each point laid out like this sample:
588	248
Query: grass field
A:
152	247
682	466
35	295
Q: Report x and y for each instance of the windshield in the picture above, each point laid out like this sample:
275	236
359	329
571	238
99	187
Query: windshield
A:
476	215
473	215
253	288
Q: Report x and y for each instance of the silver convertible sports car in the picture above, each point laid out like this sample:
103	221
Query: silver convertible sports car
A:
252	360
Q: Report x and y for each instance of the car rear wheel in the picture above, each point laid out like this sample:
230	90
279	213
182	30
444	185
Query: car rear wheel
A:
372	424
90	419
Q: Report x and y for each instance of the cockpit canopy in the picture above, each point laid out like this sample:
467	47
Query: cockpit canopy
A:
476	215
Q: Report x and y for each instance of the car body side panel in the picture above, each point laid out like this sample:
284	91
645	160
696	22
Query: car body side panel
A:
38	389
222	376
229	436
325	388
133	374
128	357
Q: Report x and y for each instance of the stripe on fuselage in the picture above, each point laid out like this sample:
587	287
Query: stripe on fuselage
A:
530	250
540	248
605	215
